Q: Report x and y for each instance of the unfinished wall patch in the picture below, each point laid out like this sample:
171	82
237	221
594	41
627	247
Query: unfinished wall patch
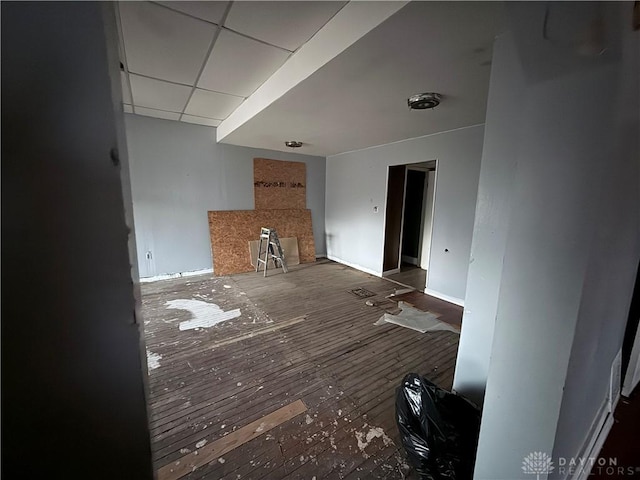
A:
204	314
279	184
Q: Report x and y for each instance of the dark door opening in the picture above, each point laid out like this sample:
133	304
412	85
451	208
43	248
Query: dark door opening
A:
412	219
393	218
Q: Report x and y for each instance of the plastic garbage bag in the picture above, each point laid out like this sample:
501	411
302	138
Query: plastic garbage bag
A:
439	429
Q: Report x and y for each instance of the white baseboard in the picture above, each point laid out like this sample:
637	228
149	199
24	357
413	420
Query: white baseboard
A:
168	276
390	272
446	298
597	436
354	265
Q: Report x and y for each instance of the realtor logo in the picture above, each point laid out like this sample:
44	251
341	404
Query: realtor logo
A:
537	463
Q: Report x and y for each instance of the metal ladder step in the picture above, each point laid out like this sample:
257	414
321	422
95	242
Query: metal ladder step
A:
273	250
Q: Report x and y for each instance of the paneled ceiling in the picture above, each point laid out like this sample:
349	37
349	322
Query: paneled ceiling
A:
197	62
333	75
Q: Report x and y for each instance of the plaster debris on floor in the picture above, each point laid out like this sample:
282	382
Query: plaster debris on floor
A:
364	439
153	360
415	319
204	314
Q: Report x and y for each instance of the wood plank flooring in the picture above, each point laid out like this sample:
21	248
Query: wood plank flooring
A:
412	276
299	336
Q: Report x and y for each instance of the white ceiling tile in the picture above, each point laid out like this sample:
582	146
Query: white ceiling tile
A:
210	11
238	65
151	93
200	120
126	93
285	24
164	44
212	105
128	108
152	112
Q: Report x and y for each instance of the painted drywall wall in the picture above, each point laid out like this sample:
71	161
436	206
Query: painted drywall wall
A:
72	374
356	184
571	241
178	173
614	251
493	211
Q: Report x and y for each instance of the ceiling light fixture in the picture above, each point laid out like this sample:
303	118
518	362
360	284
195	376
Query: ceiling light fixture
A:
293	144
422	101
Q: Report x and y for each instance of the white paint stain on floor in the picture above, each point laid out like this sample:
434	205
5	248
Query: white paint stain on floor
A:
204	314
364	439
153	360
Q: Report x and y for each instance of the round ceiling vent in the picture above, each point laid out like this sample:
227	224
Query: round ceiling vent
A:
293	144
422	101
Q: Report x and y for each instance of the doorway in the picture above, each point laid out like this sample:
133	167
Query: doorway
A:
409	223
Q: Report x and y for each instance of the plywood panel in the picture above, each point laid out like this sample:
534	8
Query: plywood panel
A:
289	248
231	231
278	184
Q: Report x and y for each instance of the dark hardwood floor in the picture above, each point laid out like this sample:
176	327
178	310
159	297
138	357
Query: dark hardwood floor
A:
411	276
297	336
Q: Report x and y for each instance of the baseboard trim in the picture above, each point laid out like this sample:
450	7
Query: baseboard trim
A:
446	298
168	276
354	265
390	272
600	428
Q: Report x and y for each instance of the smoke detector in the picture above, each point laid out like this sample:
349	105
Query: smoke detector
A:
293	144
422	101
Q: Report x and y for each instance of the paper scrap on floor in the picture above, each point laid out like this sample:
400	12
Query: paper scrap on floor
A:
415	319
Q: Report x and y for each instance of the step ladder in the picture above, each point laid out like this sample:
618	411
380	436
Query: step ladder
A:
272	250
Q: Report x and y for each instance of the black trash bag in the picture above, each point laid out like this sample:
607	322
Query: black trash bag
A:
439	429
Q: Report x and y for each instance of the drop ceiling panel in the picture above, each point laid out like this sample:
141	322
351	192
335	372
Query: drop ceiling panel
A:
164	44
200	120
152	112
212	105
239	65
150	93
285	24
211	11
126	93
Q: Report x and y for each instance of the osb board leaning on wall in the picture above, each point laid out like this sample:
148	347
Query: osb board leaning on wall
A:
231	230
278	184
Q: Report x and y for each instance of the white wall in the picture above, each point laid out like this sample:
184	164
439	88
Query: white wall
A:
491	223
178	173
357	181
567	243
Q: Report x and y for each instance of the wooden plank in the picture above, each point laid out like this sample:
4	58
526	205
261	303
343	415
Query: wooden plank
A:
279	184
289	249
232	230
215	450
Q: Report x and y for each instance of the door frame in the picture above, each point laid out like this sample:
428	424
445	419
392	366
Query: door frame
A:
419	166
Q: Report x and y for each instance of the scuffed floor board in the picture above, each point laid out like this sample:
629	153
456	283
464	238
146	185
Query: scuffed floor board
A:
216	449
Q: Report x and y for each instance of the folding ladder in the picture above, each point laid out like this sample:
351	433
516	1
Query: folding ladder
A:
272	250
